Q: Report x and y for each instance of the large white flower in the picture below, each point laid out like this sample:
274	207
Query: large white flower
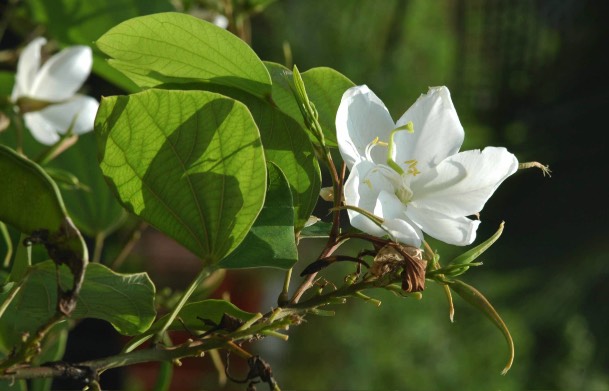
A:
411	173
56	82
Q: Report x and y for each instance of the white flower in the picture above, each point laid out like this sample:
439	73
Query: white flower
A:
411	173
56	82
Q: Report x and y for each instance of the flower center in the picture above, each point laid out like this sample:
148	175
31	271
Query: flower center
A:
393	171
404	194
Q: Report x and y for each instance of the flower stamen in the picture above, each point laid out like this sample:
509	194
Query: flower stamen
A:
371	145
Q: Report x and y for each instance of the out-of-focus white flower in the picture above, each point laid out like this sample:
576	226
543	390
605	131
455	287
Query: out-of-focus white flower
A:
411	173
55	83
220	21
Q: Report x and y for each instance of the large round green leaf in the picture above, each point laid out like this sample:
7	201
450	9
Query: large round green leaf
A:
188	162
82	22
286	144
178	48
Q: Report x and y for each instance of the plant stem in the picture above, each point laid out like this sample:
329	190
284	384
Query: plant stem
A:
135	236
99	245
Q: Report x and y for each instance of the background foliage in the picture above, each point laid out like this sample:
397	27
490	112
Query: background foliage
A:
528	75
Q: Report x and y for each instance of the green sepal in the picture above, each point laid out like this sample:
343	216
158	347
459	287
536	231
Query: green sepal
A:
477	299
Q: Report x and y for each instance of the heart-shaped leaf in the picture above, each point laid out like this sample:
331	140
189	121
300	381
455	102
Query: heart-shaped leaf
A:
179	48
188	162
286	144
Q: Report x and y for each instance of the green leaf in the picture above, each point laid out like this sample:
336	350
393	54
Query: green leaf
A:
192	314
188	162
270	243
325	88
470	256
124	300
477	299
178	48
320	229
82	22
286	144
92	206
30	201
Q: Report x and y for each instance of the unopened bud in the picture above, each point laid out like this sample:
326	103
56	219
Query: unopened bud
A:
327	193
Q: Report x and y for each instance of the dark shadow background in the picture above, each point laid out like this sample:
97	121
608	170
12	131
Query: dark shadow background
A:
527	75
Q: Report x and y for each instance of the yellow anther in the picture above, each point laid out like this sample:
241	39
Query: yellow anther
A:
412	167
367	182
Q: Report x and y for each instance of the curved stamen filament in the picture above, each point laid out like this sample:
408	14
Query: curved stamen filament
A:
371	145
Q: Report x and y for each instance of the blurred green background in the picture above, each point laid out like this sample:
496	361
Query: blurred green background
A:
528	75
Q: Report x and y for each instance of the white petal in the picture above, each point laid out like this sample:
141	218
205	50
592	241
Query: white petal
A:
60	116
63	74
27	67
462	183
362	189
459	231
437	130
362	117
397	223
40	128
220	21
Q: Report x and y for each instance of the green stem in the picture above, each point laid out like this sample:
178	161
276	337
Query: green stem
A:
203	274
9	245
99	245
11	295
163	380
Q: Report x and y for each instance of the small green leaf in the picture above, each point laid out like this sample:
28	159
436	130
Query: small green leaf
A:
477	299
270	243
31	202
179	48
320	229
92	206
192	315
188	162
125	300
470	256
325	88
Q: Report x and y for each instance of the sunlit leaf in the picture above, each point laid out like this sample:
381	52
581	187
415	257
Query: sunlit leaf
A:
325	88
287	145
82	22
270	243
179	48
188	162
